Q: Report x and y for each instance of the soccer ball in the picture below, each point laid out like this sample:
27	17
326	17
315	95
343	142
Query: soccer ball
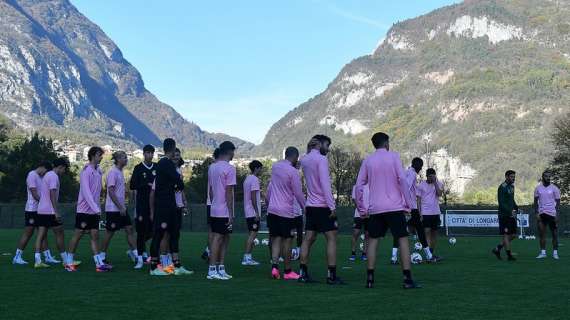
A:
256	242
416	258
265	242
452	241
361	246
418	246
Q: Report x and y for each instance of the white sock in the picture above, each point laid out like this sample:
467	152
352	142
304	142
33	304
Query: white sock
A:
207	250
103	255
38	257
163	260
47	254
63	257
221	268
555	252
212	269
543	251
69	258
97	260
169	259
394	252
140	259
427	251
19	253
135	252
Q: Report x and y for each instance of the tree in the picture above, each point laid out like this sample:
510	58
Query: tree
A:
344	166
560	163
198	183
24	157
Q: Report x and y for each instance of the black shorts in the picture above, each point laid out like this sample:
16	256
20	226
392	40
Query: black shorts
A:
318	220
114	221
178	218
431	221
85	221
31	219
252	224
280	226
360	223
208	214
165	219
220	225
378	224
415	219
507	225
548	221
299	224
47	220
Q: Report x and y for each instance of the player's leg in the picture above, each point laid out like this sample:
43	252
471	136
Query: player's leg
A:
299	237
554	231
331	238
24	239
131	242
276	246
542	238
354	241
160	228
308	241
418	225
59	234
222	256
371	263
109	233
215	248
398	227
42	233
395	246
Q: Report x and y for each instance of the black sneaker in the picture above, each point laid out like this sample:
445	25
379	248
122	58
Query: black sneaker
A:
306	279
411	285
497	253
205	255
336	282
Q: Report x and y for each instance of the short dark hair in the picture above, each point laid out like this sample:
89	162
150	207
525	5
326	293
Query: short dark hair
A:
291	152
254	165
379	140
430	171
547	171
509	172
61	162
417	162
45	164
169	145
322	138
216	153
116	155
226	147
148	148
92	152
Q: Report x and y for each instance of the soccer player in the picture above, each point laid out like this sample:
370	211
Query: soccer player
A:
33	185
141	182
252	209
299	225
320	207
285	190
222	181
546	207
116	214
383	173
181	210
89	210
48	215
206	253
360	225
428	193
415	222
507	215
167	181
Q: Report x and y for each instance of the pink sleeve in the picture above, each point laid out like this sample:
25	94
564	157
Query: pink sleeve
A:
298	189
111	179
404	187
86	192
353	195
255	185
556	193
358	190
153	185
231	177
325	180
52	183
31	182
536	192
268	195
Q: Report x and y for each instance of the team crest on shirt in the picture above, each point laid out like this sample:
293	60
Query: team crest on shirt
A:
144	175
255	226
336	224
31	221
113	225
154	172
163	225
83	224
230	227
292	232
140	218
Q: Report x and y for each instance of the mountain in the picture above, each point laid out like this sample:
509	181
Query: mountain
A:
473	88
60	74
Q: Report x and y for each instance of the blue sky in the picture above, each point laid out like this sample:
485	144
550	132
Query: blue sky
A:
239	66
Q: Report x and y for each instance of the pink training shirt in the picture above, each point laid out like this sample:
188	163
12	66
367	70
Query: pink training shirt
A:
412	180
285	190
220	175
50	182
389	191
366	197
429	199
250	184
547	197
33	181
89	190
316	170
179	194
115	178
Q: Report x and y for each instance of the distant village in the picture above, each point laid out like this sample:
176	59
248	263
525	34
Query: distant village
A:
77	153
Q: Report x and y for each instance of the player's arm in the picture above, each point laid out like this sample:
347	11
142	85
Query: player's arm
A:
298	191
361	181
438	188
325	181
113	195
254	203
87	194
230	202
35	194
151	203
502	201
53	199
535	206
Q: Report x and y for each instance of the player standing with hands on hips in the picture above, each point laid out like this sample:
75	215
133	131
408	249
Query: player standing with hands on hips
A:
546	207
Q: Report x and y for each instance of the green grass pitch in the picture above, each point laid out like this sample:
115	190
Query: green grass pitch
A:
469	284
